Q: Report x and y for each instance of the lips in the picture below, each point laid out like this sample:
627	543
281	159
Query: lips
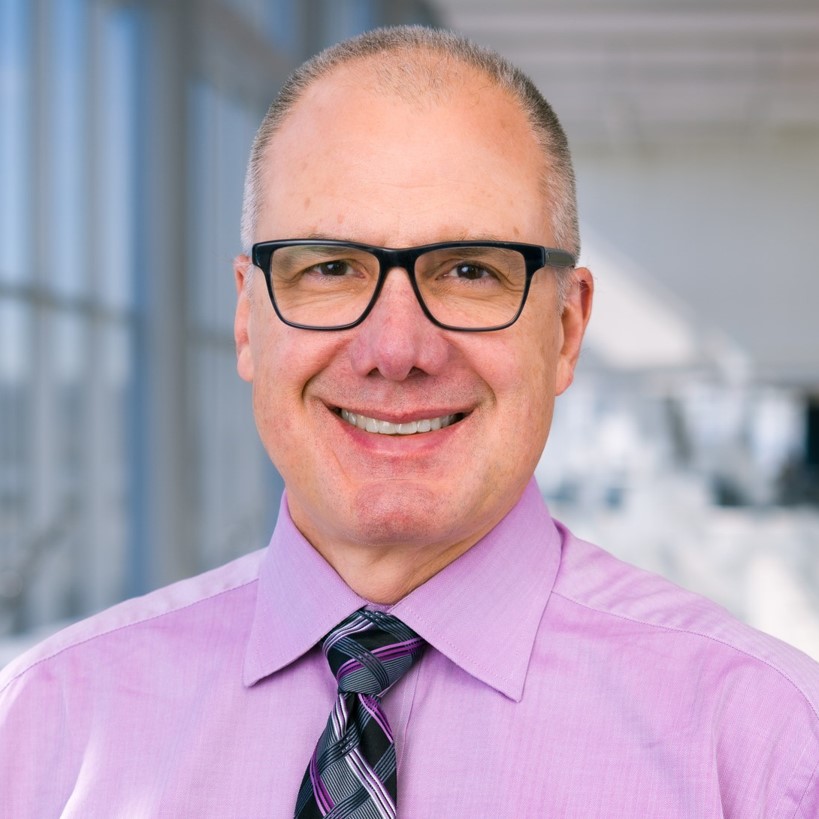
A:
381	427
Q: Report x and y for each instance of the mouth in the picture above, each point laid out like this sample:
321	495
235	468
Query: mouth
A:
380	427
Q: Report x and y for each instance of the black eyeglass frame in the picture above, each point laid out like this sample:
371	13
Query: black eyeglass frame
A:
536	257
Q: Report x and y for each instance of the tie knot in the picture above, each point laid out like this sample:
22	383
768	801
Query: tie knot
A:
370	650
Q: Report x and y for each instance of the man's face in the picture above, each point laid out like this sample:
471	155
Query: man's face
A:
353	164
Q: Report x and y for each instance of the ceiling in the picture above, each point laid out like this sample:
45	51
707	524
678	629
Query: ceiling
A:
647	69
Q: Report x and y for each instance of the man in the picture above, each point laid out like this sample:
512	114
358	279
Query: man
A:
408	309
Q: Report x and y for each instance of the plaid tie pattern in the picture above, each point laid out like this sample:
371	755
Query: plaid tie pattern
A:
352	772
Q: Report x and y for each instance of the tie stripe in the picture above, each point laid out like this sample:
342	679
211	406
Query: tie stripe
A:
352	773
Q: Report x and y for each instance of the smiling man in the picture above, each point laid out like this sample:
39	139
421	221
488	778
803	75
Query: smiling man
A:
420	638
443	155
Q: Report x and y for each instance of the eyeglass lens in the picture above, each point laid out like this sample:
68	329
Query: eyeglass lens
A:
463	287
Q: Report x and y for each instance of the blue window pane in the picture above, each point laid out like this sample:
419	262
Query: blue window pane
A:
116	156
15	94
284	24
277	19
203	156
346	18
223	130
67	140
15	345
252	10
16	413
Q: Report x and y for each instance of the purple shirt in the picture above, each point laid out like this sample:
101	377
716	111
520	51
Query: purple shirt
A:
559	682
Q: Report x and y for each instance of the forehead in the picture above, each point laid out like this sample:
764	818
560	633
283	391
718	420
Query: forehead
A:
362	157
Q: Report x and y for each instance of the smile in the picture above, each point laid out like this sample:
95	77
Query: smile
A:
407	428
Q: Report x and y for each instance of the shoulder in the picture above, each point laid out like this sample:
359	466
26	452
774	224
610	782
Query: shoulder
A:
119	684
166	616
693	677
613	591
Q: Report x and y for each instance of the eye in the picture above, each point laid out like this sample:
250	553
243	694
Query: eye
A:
471	271
334	268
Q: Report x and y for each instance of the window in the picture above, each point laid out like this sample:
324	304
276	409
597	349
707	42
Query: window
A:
128	453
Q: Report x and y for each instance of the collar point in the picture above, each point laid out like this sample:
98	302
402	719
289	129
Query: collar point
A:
511	690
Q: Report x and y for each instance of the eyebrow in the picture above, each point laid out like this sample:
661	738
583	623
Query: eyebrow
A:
319	237
465	236
460	236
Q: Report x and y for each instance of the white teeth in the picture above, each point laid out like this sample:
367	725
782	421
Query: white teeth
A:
388	428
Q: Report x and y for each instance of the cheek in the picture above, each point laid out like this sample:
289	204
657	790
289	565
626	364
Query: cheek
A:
277	385
271	419
524	367
526	379
285	361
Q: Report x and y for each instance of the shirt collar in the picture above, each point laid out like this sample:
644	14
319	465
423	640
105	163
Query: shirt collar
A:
482	611
300	598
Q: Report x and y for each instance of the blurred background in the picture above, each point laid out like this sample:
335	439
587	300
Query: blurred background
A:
689	443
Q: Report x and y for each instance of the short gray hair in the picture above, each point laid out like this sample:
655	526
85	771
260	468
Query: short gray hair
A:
401	71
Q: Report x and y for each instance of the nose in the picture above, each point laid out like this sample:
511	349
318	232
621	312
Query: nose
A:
396	339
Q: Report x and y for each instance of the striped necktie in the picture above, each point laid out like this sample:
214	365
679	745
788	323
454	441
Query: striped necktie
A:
352	773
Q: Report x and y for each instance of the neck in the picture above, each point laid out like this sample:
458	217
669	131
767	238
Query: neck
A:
385	574
383	564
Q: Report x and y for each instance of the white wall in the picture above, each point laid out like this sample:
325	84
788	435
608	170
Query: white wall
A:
732	230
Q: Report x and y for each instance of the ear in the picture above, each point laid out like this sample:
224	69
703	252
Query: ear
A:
575	317
242	272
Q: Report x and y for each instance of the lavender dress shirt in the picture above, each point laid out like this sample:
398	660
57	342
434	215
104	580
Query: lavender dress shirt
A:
559	682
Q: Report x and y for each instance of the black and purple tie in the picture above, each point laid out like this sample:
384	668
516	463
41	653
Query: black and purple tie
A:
352	773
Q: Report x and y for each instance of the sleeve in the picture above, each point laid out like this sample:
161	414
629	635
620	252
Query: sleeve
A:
35	757
767	749
808	807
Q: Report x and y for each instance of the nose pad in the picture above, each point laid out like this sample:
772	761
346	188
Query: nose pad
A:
397	339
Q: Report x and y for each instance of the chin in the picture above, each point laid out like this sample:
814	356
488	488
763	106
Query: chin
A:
402	515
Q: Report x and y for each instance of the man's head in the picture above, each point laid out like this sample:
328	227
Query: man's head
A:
398	139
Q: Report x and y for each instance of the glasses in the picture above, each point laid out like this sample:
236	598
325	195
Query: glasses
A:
467	286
